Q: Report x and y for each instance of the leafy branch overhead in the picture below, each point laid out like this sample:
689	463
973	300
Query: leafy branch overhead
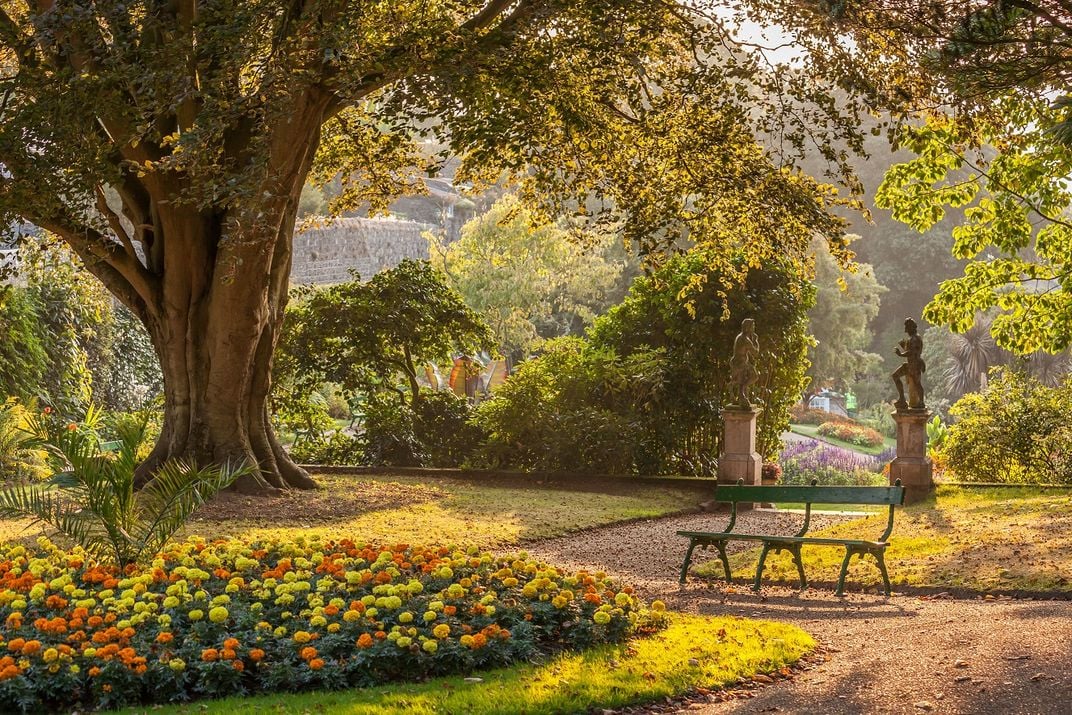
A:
119	107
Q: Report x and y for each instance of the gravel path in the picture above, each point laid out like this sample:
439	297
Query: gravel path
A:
898	655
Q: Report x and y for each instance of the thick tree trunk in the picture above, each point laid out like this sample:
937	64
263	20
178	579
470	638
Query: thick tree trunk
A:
216	327
215	351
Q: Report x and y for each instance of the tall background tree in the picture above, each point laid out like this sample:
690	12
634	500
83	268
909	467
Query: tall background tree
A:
529	281
168	143
839	322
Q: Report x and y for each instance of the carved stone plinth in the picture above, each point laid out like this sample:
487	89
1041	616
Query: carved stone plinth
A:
912	465
739	458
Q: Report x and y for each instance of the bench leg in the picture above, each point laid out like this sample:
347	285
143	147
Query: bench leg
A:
882	569
721	546
759	566
688	559
795	550
844	570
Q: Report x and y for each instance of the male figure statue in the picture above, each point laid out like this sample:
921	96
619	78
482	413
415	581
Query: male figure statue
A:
911	349
743	373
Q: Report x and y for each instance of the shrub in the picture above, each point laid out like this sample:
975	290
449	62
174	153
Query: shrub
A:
576	408
1017	431
642	392
433	432
801	415
851	433
214	618
336	447
18	461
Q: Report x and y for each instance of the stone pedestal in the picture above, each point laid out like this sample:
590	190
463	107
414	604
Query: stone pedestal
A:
739	458
912	465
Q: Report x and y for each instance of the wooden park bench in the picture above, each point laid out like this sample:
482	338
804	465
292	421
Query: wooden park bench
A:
735	494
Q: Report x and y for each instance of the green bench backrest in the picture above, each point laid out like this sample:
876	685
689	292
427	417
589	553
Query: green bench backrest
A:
810	495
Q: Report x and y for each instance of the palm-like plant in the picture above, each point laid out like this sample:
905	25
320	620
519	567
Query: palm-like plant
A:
973	352
91	498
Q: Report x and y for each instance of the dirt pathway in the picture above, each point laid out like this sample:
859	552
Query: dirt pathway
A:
905	654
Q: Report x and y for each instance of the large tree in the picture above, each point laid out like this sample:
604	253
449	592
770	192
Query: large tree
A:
167	142
840	323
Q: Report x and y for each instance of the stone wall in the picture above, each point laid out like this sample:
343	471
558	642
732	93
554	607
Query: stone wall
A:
328	253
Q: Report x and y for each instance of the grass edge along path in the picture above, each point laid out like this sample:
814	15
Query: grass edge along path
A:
692	652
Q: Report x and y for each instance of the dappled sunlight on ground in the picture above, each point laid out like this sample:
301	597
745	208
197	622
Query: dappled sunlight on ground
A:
996	540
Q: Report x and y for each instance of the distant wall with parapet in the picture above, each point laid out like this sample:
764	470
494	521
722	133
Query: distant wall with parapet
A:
328	253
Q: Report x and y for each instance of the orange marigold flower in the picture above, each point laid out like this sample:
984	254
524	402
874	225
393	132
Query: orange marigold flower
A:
231	643
256	655
238	665
331	610
209	654
316	663
228	654
31	647
164	637
308	652
480	640
94	672
450	610
365	641
94	621
16	644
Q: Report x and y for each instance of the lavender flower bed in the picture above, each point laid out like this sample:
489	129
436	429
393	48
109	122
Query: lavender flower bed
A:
804	461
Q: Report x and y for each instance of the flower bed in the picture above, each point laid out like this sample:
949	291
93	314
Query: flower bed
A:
851	433
213	618
806	460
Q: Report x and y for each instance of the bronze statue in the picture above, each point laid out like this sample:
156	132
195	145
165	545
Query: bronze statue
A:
911	349
743	373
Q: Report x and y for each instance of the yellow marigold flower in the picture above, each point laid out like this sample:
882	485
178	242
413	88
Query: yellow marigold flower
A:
302	637
658	606
601	617
318	621
429	616
177	664
351	616
430	646
50	655
404	642
441	631
405	617
333	627
218	614
196	615
466	640
559	602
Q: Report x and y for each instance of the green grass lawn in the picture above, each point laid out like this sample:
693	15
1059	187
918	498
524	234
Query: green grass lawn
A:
812	431
1019	538
693	652
397	509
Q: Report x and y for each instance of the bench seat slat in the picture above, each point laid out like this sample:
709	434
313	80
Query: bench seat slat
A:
810	494
734	536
